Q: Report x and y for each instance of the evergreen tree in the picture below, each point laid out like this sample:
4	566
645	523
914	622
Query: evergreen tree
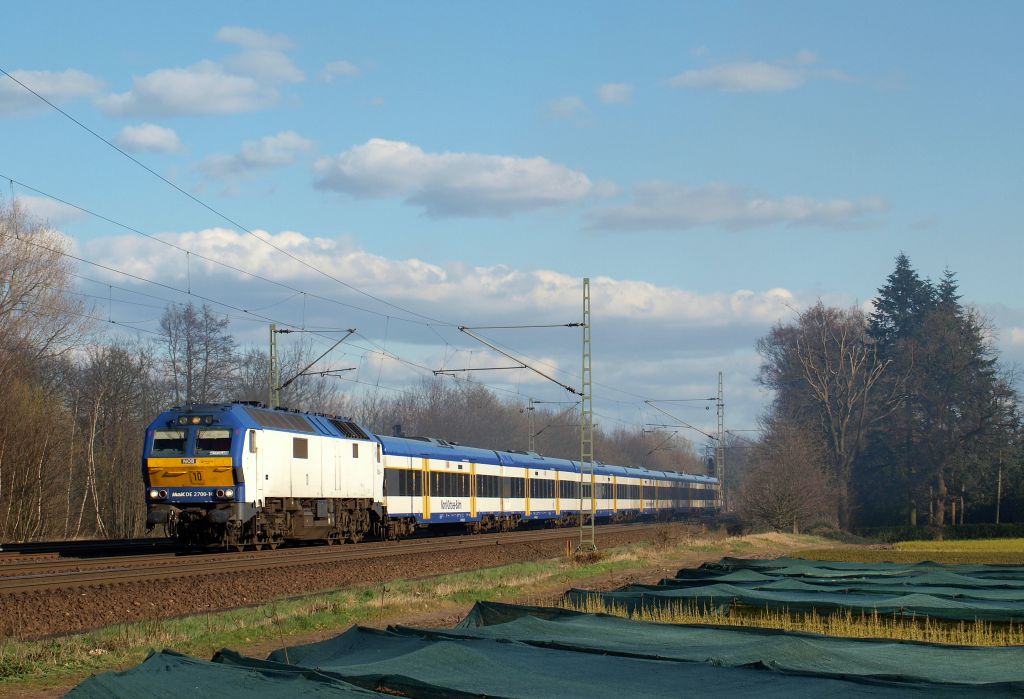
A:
900	306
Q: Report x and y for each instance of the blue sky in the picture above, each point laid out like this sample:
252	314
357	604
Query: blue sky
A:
712	166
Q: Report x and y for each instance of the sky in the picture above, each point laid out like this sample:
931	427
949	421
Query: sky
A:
405	168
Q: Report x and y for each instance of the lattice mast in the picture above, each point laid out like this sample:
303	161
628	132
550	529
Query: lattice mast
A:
530	410
720	446
588	540
273	371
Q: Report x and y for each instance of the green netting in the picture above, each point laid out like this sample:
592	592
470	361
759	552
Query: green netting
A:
509	651
169	675
432	664
958	592
731	646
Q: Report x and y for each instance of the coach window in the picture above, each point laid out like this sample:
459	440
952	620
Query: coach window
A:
169	443
355	450
300	448
213	442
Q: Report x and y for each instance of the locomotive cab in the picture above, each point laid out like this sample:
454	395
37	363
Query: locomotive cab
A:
243	475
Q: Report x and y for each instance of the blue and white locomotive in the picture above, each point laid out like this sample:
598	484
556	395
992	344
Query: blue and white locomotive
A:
242	475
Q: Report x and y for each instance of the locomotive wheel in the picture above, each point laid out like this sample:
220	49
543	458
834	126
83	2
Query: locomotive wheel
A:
257	546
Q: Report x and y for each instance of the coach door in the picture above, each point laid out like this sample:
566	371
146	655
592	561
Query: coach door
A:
505	490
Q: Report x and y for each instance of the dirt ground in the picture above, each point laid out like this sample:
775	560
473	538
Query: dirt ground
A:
451	614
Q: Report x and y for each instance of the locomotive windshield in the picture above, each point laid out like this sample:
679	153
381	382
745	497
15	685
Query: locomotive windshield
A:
213	442
169	443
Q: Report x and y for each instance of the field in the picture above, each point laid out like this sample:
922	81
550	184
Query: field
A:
440	600
994	551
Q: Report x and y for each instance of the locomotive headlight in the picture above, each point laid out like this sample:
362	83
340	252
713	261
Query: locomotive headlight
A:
154	494
229	493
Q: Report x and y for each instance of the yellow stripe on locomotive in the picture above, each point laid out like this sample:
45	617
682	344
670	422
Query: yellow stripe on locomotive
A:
198	471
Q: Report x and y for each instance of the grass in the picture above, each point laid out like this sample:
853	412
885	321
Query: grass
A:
28	663
997	551
840	623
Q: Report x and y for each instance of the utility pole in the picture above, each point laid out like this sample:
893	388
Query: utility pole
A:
530	425
588	540
274	371
999	486
720	452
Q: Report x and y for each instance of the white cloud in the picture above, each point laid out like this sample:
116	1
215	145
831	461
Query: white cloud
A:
336	69
451	184
255	39
267	153
665	206
149	138
462	290
742	76
58	87
566	107
48	211
274	66
756	76
615	93
202	88
805	57
244	82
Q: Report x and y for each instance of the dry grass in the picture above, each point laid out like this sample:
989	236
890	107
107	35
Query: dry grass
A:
841	623
993	551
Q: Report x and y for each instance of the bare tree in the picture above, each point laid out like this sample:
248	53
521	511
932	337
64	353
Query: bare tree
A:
826	374
39	318
199	353
786	486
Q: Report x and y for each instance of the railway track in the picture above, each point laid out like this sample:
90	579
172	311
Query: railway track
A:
86	548
59	574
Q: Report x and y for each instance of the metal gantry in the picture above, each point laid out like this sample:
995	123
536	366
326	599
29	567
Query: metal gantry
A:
588	536
720	450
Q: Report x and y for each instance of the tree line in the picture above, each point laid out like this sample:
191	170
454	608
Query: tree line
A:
75	401
901	415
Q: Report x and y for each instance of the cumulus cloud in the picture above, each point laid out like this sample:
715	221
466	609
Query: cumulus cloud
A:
149	138
464	290
202	88
244	82
756	76
336	69
566	107
267	153
671	207
58	87
450	184
615	93
255	39
48	211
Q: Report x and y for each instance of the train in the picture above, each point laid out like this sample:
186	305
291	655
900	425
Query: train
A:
242	475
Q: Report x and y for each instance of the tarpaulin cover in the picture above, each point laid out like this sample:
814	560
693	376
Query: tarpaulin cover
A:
429	664
171	675
731	646
955	592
